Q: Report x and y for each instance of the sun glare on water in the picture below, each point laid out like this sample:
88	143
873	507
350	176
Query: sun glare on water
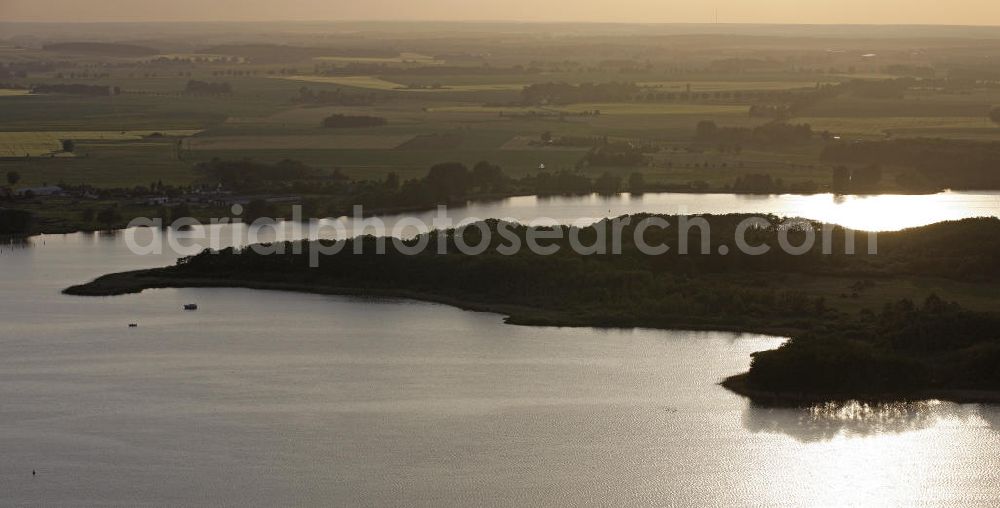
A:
892	212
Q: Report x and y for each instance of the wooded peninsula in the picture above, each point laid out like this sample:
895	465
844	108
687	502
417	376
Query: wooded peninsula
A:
855	331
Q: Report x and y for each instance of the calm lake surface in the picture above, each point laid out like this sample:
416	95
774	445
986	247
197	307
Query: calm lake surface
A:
270	398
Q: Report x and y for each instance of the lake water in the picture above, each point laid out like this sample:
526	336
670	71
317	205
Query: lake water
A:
868	213
271	398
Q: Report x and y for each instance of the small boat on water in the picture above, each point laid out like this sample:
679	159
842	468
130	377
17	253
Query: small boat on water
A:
133	325
191	306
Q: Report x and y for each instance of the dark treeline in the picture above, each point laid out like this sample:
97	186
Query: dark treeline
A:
764	183
76	89
15	222
936	163
339	121
784	104
778	104
787	104
252	176
195	87
445	183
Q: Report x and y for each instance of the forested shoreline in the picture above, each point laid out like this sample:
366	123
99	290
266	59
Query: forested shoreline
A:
852	333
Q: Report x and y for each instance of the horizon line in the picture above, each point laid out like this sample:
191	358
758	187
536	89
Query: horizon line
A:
499	21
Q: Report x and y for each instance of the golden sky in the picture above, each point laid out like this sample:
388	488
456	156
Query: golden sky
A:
971	12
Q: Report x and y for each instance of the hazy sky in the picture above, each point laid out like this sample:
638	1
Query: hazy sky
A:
972	12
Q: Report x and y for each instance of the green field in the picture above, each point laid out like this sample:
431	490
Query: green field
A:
376	83
471	100
730	86
402	58
375	164
657	109
906	126
621	108
43	143
298	142
125	164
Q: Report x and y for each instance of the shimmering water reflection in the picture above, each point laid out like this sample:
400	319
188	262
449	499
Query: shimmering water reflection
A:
282	399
